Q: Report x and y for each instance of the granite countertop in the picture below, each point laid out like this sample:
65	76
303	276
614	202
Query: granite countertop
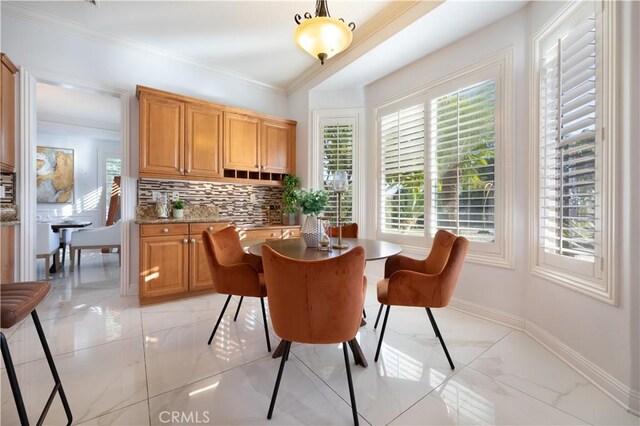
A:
10	223
152	221
145	221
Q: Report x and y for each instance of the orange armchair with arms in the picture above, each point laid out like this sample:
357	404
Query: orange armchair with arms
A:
234	272
315	302
427	283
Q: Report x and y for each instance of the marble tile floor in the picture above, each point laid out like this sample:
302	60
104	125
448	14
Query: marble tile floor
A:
125	365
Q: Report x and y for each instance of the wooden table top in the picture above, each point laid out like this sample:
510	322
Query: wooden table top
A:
297	249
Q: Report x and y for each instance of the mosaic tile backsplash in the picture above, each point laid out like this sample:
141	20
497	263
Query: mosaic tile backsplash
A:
239	203
7	180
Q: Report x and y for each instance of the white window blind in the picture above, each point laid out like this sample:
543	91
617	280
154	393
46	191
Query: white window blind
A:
570	188
462	162
337	155
402	171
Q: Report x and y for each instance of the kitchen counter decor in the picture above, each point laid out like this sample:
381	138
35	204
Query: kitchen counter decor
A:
312	203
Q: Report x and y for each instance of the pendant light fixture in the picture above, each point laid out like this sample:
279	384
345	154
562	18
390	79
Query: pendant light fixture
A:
322	36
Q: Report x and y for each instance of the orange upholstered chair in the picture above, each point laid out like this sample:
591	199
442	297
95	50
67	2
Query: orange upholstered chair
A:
427	283
315	302
348	231
234	272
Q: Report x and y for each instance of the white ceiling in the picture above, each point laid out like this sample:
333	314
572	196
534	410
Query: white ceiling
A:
254	39
78	108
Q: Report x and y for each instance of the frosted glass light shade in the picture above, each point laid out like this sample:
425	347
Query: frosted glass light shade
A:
322	36
340	181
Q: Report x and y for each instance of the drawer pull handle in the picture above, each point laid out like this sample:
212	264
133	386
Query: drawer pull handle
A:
210	228
165	230
185	241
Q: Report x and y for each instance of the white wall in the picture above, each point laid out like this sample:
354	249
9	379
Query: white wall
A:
88	192
605	336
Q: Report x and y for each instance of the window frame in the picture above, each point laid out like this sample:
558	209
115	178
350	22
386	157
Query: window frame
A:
340	116
599	283
498	65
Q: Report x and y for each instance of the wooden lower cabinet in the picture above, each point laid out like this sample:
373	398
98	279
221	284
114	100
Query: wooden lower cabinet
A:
164	265
7	244
173	263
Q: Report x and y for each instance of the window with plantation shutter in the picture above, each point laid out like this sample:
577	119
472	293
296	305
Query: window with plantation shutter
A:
462	162
571	219
402	171
445	162
337	154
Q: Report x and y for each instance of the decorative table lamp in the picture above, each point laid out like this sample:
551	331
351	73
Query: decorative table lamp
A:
340	183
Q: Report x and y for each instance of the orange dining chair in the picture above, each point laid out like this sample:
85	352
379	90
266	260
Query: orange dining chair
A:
234	272
348	231
317	302
427	283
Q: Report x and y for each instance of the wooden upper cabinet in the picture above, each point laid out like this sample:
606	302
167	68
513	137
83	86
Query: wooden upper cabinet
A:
204	141
161	136
241	139
8	116
277	147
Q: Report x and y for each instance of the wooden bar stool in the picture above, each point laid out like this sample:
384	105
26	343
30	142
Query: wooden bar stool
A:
17	300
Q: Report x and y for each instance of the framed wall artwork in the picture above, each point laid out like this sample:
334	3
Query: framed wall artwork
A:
54	175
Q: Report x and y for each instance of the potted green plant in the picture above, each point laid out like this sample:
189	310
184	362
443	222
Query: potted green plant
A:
290	207
178	209
312	203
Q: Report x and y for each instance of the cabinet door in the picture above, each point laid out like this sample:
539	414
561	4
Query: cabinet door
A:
277	147
164	265
7	241
200	277
241	138
204	141
8	158
161	136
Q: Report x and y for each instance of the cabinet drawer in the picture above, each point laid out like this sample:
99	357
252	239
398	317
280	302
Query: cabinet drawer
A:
165	229
290	233
197	228
259	234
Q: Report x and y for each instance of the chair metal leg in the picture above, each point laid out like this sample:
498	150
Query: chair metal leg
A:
384	326
378	317
275	389
439	335
238	310
213	333
13	380
352	395
54	372
364	313
266	326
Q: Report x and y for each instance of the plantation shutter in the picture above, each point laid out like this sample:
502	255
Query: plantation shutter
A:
402	171
462	162
568	150
338	155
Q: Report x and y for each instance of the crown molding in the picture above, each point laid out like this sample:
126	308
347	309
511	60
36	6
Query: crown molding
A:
47	20
383	25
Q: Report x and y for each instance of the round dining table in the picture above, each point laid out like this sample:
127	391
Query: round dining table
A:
297	249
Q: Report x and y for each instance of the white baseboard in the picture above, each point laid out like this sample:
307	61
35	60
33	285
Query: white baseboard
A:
611	386
626	397
490	314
